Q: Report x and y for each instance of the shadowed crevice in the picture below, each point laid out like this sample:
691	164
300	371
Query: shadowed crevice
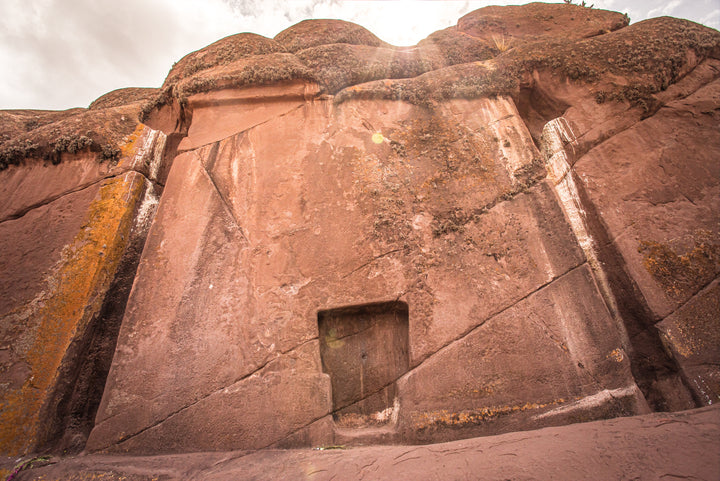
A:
71	409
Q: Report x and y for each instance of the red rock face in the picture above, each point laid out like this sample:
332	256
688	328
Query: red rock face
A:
74	232
446	248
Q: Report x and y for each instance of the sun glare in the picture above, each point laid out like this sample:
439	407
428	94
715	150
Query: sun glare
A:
406	22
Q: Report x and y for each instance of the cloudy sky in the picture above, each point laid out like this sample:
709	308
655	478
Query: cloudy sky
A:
58	54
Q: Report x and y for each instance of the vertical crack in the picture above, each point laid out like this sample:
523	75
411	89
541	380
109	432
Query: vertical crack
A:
650	364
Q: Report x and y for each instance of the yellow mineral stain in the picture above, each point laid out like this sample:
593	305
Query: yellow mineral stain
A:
616	355
429	419
128	148
378	138
85	272
332	341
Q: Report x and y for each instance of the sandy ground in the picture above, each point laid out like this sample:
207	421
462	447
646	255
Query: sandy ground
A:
660	446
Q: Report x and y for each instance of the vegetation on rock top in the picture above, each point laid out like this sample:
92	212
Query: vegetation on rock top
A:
99	130
336	66
120	97
223	52
455	47
648	56
540	21
254	70
311	33
492	51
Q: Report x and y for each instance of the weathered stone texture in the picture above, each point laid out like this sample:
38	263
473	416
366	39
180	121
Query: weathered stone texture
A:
66	243
254	237
511	225
656	186
556	344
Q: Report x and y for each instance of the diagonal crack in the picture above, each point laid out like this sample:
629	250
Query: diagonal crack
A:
467	333
224	200
437	351
370	262
690	298
207	395
665	104
224	462
301	105
493	315
49	200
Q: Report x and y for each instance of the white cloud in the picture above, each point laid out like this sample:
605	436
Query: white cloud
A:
65	53
666	9
712	19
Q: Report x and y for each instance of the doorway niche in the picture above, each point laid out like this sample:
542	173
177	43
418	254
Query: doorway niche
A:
364	350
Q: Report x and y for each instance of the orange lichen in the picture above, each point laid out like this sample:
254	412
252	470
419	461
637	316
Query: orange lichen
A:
79	286
616	355
358	420
682	274
470	391
684	341
432	419
128	149
695	328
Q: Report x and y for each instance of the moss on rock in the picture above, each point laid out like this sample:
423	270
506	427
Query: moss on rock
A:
311	33
340	65
98	130
120	97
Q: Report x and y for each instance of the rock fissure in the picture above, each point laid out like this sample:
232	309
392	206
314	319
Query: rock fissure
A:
591	295
632	116
19	214
690	298
79	389
455	220
224	201
494	314
207	395
244	131
370	262
649	360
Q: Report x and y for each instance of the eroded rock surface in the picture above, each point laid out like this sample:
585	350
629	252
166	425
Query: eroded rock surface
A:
74	227
511	225
642	447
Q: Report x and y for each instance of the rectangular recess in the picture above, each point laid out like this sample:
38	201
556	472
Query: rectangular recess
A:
364	350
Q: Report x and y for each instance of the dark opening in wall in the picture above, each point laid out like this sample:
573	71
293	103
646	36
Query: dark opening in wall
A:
364	349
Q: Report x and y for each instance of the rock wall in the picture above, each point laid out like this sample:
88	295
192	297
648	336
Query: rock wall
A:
73	233
507	227
357	205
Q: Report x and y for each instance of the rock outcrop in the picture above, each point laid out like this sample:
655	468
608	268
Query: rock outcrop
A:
74	223
644	447
509	226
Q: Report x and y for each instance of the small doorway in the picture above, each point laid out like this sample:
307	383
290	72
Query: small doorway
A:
364	350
